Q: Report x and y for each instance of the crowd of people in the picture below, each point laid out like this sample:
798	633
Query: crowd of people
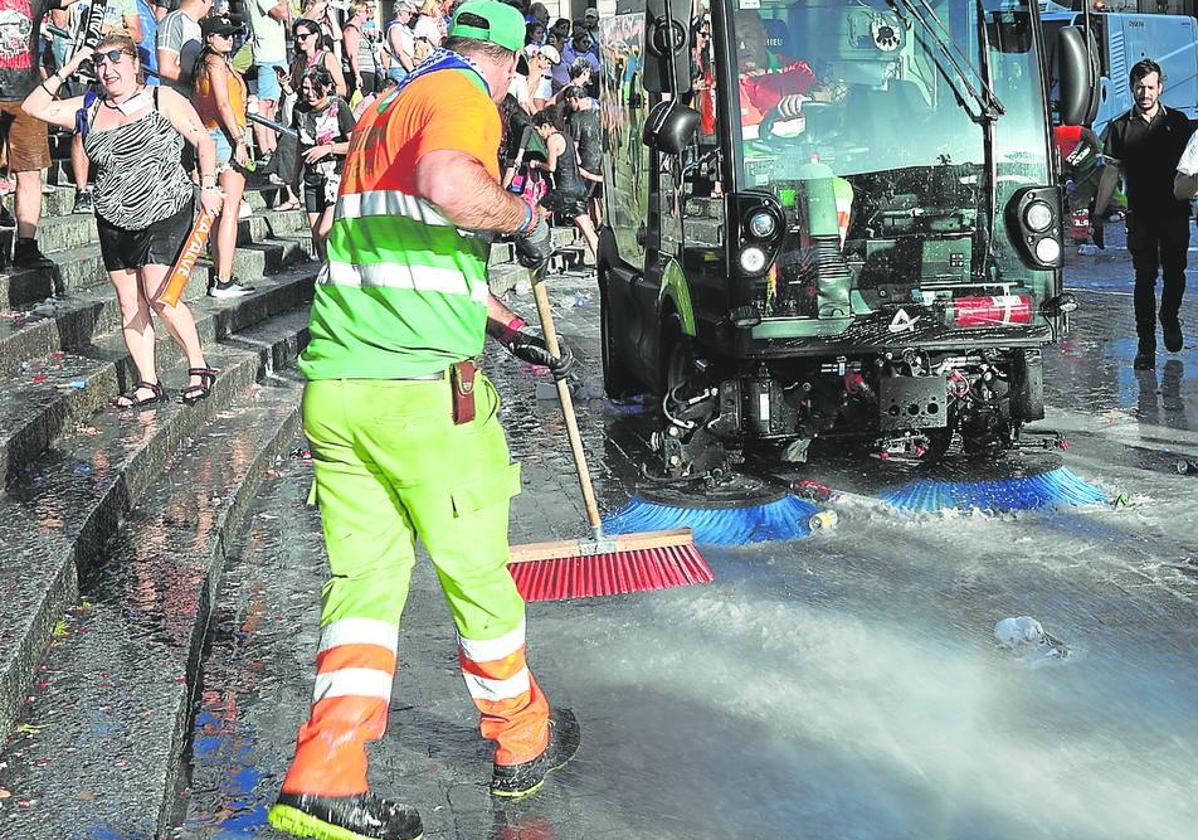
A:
162	106
553	150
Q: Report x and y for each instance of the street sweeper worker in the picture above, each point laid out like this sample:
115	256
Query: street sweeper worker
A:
404	432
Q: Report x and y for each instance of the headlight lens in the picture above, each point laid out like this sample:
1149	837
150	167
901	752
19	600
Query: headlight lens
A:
752	259
1038	216
762	224
1048	250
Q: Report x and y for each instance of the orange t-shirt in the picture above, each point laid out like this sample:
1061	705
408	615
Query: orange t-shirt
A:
205	99
448	109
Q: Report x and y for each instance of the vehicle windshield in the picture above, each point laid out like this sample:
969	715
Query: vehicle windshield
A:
871	93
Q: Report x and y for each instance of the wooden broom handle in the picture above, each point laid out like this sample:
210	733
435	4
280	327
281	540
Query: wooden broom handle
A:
563	396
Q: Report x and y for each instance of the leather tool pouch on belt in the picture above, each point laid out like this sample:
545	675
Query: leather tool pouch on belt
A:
461	378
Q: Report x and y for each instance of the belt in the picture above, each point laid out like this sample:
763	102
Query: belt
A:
428	377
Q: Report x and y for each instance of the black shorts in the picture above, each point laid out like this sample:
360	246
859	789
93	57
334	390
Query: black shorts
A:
569	205
596	189
158	244
314	195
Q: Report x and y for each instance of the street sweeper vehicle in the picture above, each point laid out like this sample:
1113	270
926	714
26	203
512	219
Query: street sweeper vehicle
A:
833	218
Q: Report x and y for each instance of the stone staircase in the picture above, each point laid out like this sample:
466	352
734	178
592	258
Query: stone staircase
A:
114	523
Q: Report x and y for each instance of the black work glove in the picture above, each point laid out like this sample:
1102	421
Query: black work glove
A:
530	347
533	251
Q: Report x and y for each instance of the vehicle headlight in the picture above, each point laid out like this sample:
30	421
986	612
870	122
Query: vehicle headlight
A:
752	259
762	224
1038	216
1048	250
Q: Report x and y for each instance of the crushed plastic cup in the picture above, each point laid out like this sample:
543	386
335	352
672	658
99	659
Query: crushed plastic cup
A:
1012	632
1025	638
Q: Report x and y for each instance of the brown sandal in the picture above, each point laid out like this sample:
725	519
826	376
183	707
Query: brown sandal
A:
132	401
192	394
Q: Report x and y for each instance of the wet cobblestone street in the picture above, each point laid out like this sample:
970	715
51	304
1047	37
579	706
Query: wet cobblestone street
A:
845	685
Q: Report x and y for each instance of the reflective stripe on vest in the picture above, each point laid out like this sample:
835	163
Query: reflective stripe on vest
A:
388	203
446	281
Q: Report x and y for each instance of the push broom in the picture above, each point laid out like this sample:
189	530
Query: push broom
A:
602	565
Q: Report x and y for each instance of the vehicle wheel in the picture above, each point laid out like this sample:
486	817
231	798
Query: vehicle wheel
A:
616	382
679	357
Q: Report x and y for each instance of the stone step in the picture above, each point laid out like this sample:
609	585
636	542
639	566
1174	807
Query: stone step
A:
32	331
80	268
56	201
265	224
60	144
50	324
57	233
75	270
71	231
49	396
59	173
117	682
271	255
59	518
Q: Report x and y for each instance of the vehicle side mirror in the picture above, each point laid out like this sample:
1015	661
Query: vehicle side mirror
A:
1078	75
666	44
670	127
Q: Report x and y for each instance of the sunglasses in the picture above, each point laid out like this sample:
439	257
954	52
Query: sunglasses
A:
111	56
302	35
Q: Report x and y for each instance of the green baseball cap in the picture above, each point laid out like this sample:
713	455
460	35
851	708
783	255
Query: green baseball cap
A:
489	20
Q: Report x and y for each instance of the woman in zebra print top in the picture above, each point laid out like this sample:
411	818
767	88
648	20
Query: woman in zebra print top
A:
143	199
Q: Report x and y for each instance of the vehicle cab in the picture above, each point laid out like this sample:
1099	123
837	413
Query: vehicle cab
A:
833	217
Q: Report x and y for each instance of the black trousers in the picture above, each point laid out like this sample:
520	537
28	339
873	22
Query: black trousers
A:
1157	246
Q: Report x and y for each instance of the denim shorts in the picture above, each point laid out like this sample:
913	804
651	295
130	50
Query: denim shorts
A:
268	82
224	151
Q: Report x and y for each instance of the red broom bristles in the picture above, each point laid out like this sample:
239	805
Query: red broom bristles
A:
615	573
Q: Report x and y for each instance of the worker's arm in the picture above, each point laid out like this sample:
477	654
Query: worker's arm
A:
510	330
279	11
464	191
498	313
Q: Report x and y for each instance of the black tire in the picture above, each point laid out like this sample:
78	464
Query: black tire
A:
679	359
616	382
676	352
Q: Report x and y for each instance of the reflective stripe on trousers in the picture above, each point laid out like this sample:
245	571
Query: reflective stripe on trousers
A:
390	467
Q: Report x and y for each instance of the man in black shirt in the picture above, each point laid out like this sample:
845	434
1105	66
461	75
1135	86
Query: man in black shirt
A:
1146	143
583	121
